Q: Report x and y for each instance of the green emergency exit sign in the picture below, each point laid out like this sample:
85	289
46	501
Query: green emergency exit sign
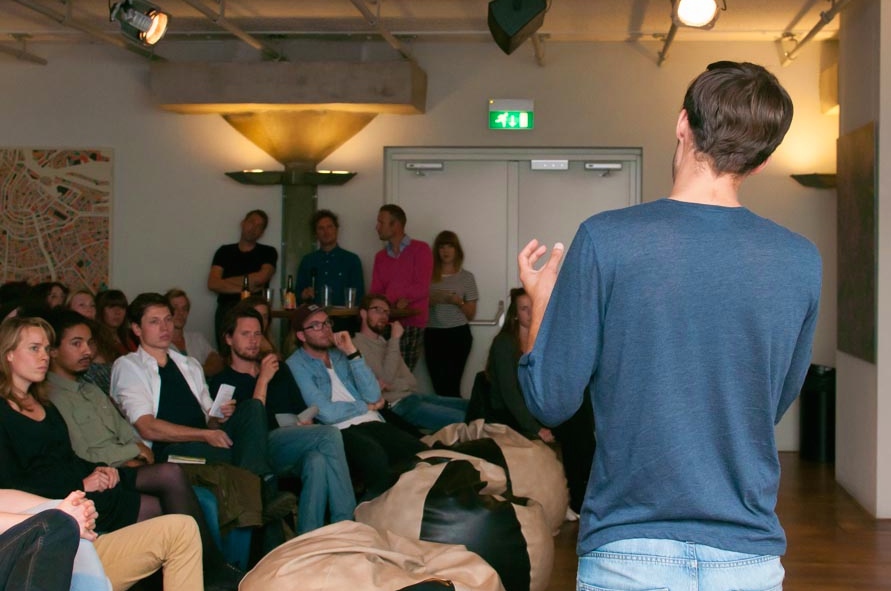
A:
511	114
511	119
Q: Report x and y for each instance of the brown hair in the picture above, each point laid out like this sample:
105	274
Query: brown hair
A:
10	337
443	238
738	113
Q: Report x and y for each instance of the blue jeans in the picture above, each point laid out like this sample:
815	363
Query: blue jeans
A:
315	454
667	565
429	411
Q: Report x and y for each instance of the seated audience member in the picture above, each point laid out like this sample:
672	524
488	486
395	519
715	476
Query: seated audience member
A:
120	558
36	453
103	346
397	383
39	550
83	302
189	342
163	394
111	314
507	405
13	294
333	376
262	306
313	452
48	295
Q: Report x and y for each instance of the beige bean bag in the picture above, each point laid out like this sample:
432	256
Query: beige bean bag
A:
457	499
350	556
532	467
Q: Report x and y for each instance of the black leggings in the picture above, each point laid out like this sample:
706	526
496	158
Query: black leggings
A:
165	489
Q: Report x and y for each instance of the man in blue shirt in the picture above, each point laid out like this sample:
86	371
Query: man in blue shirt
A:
333	376
691	319
330	265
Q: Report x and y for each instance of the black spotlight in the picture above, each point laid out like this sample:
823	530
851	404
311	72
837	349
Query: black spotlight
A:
511	22
140	20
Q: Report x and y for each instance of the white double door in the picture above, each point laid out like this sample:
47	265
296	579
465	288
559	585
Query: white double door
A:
496	200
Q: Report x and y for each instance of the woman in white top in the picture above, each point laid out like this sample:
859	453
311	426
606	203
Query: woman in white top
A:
453	296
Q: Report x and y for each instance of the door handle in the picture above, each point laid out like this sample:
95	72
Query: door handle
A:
497	321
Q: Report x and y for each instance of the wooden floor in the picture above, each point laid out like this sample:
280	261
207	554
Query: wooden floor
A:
833	544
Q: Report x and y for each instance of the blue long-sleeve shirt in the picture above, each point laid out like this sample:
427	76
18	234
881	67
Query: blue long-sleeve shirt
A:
693	326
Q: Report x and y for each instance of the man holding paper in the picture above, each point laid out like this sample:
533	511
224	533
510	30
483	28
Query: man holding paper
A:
163	394
296	446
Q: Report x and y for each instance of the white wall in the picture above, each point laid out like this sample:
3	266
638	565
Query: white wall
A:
173	206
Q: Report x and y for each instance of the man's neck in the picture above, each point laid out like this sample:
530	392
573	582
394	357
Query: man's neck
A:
320	354
327	247
61	372
396	242
366	332
244	365
245	246
696	182
160	355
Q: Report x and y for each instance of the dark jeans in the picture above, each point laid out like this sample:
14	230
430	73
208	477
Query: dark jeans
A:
247	430
38	553
446	351
375	451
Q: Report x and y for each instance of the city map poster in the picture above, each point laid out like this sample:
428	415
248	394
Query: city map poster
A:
55	207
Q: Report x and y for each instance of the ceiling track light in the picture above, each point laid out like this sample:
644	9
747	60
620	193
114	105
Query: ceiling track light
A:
141	21
697	14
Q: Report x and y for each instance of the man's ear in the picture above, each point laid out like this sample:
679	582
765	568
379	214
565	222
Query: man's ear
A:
136	329
760	167
301	336
682	127
363	314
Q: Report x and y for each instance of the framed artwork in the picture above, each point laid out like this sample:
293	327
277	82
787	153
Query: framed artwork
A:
857	244
55	208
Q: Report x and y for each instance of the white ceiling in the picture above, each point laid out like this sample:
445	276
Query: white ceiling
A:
418	20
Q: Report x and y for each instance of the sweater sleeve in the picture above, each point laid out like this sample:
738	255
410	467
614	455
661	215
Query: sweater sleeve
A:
573	316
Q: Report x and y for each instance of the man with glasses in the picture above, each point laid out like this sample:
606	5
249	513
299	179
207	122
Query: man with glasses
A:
691	320
333	376
296	447
398	385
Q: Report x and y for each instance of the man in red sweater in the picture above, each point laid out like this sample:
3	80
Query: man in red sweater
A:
402	271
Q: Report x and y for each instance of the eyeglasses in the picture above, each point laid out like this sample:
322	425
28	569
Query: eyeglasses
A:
319	325
380	310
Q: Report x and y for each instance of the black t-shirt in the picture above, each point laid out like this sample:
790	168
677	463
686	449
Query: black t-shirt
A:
282	394
236	263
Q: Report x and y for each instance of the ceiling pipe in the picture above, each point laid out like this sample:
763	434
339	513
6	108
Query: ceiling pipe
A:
221	21
825	18
22	54
374	21
538	48
669	39
64	19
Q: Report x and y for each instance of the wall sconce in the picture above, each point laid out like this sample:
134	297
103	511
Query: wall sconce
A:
699	14
816	180
291	177
141	21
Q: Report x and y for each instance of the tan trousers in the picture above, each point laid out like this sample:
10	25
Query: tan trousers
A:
170	542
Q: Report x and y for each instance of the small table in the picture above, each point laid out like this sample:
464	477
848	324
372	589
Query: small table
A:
344	312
